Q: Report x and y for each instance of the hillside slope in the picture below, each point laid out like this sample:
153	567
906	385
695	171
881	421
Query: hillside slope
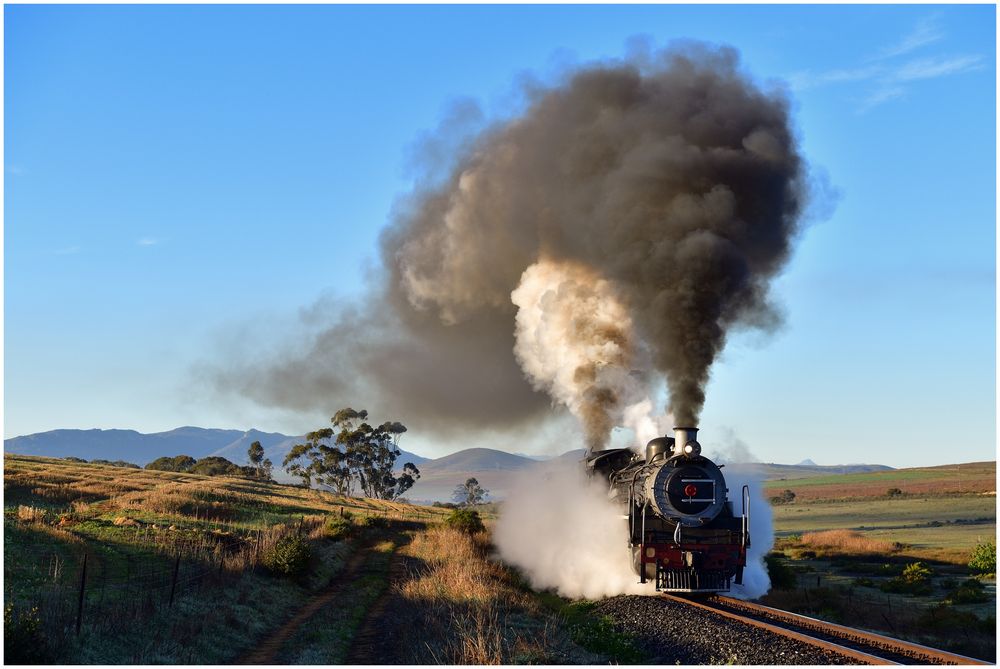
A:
140	448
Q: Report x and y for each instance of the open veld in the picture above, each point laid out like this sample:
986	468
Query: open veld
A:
109	565
848	544
114	565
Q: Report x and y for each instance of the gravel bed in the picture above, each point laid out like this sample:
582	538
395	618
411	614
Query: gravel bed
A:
673	633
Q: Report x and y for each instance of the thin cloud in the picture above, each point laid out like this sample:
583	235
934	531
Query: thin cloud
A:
66	251
888	81
806	79
880	97
148	241
926	32
931	68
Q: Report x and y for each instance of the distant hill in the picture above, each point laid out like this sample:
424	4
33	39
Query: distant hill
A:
478	459
132	446
770	471
494	469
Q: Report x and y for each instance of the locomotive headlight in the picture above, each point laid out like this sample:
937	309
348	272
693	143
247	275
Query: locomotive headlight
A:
692	448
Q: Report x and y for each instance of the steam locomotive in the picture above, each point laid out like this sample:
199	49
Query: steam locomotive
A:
683	531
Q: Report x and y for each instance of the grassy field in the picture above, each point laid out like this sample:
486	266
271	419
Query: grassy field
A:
845	543
180	569
174	562
961	479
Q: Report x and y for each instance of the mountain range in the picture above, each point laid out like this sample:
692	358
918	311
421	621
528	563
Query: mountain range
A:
495	470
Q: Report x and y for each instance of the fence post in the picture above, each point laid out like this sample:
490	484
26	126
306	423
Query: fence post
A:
173	584
79	604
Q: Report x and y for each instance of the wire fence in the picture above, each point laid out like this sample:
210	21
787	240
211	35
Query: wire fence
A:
80	584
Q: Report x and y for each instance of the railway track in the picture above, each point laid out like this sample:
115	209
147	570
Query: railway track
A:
860	646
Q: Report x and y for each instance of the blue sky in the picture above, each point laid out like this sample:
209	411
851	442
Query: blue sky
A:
178	176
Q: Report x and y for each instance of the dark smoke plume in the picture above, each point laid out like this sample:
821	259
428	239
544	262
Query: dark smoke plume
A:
675	180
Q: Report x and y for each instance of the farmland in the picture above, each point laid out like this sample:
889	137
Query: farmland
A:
847	544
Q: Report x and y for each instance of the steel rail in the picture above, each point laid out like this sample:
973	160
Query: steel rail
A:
859	656
882	642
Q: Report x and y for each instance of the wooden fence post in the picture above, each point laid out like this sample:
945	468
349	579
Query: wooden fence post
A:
173	584
79	604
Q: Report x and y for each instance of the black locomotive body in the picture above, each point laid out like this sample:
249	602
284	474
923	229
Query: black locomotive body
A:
683	531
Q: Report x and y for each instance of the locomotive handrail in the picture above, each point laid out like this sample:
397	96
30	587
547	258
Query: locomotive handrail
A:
746	514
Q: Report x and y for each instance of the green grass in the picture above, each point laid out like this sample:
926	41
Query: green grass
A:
909	520
326	637
940	473
598	634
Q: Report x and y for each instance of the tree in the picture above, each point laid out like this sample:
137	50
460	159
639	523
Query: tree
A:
294	465
178	463
256	454
267	467
213	465
406	480
353	455
470	493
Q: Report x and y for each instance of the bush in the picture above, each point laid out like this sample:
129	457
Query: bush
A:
893	492
970	592
984	558
376	521
22	637
337	527
782	577
915	580
290	555
465	520
786	497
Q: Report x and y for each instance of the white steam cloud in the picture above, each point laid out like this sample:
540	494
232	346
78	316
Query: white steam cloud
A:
574	339
561	529
756	582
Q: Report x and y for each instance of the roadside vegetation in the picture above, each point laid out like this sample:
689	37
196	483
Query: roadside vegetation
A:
180	567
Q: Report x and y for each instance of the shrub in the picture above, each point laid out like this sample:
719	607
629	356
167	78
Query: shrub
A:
30	514
376	521
970	592
465	520
22	637
984	558
337	527
290	555
915	580
893	492
782	577
786	497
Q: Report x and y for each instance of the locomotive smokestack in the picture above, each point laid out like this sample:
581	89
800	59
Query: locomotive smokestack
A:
683	435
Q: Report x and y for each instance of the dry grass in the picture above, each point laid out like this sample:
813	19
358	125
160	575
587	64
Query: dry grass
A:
847	542
458	569
469	609
30	514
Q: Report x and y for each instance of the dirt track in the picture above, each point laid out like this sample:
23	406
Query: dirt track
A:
267	650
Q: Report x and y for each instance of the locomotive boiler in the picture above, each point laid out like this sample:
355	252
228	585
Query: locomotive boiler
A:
683	532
